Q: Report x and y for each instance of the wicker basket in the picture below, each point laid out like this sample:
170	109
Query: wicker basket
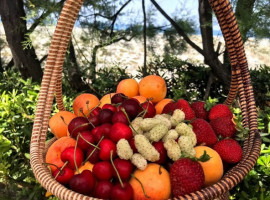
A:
51	85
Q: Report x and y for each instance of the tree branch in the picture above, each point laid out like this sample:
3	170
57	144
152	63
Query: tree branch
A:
57	6
114	17
144	38
179	30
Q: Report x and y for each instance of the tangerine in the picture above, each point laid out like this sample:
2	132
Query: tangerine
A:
53	155
153	87
106	99
58	123
84	103
86	166
213	168
161	104
154	179
128	87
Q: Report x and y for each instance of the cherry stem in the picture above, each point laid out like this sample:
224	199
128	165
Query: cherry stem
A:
80	126
93	151
90	111
88	141
51	164
117	173
141	186
145	110
64	120
87	119
60	170
123	110
75	162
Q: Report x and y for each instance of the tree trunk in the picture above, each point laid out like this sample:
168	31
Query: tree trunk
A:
12	14
210	56
73	72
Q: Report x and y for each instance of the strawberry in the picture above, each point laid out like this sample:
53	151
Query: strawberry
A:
223	126
169	108
204	132
185	107
229	150
220	110
200	111
186	176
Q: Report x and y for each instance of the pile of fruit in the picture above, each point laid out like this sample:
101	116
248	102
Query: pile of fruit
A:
135	144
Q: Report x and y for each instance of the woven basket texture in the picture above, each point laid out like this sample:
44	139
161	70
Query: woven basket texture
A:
51	87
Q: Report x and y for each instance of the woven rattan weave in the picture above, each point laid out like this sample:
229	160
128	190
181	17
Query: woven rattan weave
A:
51	87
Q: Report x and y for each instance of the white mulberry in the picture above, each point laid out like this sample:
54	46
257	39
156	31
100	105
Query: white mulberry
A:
139	161
172	134
158	132
177	117
123	149
148	123
173	149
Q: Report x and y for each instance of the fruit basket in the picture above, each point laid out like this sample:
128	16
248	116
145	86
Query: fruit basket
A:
51	87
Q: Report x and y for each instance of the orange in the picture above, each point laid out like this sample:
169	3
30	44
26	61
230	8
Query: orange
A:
154	87
141	99
84	102
155	180
106	99
213	168
59	123
128	87
161	104
53	154
86	166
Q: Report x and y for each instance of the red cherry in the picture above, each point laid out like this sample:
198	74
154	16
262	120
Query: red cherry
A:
78	124
105	116
94	158
169	108
103	189
118	98
103	170
132	107
64	176
159	146
85	135
106	146
122	193
68	155
95	112
119	131
110	107
94	120
119	116
124	168
132	145
149	109
83	183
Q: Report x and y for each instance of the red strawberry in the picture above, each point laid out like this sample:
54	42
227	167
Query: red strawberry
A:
229	150
200	111
186	176
185	107
204	132
223	126
220	110
169	108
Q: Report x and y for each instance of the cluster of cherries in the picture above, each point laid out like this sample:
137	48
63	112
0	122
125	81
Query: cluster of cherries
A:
96	137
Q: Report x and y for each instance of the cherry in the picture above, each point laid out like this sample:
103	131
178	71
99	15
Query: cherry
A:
169	108
124	168
68	156
122	193
159	146
64	175
103	170
94	158
119	116
78	124
106	146
102	130
132	145
94	120
83	183
110	107
118	98
85	136
132	107
150	110
95	111
103	189
105	116
96	135
119	131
